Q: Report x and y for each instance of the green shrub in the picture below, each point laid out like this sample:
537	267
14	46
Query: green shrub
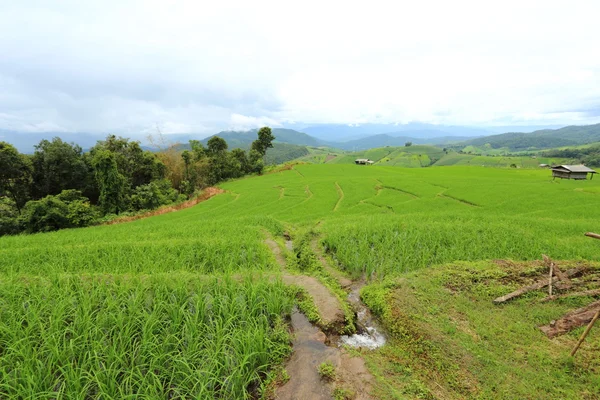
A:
69	209
154	195
9	224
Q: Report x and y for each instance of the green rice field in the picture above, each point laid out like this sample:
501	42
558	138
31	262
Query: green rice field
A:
185	304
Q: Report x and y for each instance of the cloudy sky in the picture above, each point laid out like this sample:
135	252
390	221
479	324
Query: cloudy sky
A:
202	66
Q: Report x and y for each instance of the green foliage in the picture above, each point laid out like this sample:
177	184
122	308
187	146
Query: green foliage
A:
137	166
264	141
113	185
15	175
282	152
216	146
9	214
407	144
340	393
153	195
58	166
69	209
326	370
162	336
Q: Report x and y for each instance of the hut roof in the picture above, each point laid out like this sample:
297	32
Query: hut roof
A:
573	168
362	159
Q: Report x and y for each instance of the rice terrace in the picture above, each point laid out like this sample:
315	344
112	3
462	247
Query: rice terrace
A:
309	200
197	303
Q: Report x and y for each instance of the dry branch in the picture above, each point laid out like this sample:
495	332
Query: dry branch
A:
538	285
571	320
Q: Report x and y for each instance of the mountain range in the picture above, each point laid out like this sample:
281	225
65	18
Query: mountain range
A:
317	136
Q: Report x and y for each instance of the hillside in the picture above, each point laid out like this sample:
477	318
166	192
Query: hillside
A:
417	156
542	139
176	304
243	139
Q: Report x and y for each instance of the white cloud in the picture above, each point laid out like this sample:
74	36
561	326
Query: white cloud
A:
194	66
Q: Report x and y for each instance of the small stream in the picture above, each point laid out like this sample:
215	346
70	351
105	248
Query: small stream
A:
368	334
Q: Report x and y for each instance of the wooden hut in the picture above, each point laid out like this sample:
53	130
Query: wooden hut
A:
572	172
363	161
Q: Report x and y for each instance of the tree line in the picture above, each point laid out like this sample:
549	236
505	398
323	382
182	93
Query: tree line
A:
585	155
62	186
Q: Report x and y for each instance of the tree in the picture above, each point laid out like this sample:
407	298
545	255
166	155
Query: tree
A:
57	166
112	184
408	144
187	160
216	146
15	175
153	195
264	141
68	209
9	223
137	165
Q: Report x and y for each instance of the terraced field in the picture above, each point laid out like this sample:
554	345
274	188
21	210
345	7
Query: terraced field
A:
192	304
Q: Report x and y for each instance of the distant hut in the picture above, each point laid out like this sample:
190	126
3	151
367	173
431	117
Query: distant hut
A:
544	166
363	161
578	172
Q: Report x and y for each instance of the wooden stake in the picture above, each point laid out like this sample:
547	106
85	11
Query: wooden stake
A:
592	235
550	279
585	333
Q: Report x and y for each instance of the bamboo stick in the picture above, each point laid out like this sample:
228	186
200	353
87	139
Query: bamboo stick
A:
585	333
550	279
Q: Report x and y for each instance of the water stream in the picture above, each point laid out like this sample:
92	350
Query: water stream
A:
368	334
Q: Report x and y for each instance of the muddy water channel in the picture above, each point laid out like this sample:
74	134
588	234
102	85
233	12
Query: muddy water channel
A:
312	347
369	335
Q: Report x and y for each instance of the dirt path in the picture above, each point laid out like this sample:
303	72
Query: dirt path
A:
205	195
327	304
310	351
309	344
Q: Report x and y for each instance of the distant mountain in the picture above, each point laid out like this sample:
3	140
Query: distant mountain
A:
383	140
345	133
243	139
25	141
542	139
520	128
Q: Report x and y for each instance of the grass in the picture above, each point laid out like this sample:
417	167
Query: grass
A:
155	336
327	370
189	304
450	341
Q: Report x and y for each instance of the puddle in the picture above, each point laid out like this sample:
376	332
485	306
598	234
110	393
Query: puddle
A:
369	335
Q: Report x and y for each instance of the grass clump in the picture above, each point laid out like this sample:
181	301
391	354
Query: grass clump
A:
327	370
340	393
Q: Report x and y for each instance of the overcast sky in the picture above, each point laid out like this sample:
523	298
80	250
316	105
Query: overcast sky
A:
202	66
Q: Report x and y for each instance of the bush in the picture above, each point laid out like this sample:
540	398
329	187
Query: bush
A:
69	209
9	224
154	195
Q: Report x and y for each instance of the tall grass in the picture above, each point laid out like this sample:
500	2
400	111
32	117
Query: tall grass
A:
156	337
